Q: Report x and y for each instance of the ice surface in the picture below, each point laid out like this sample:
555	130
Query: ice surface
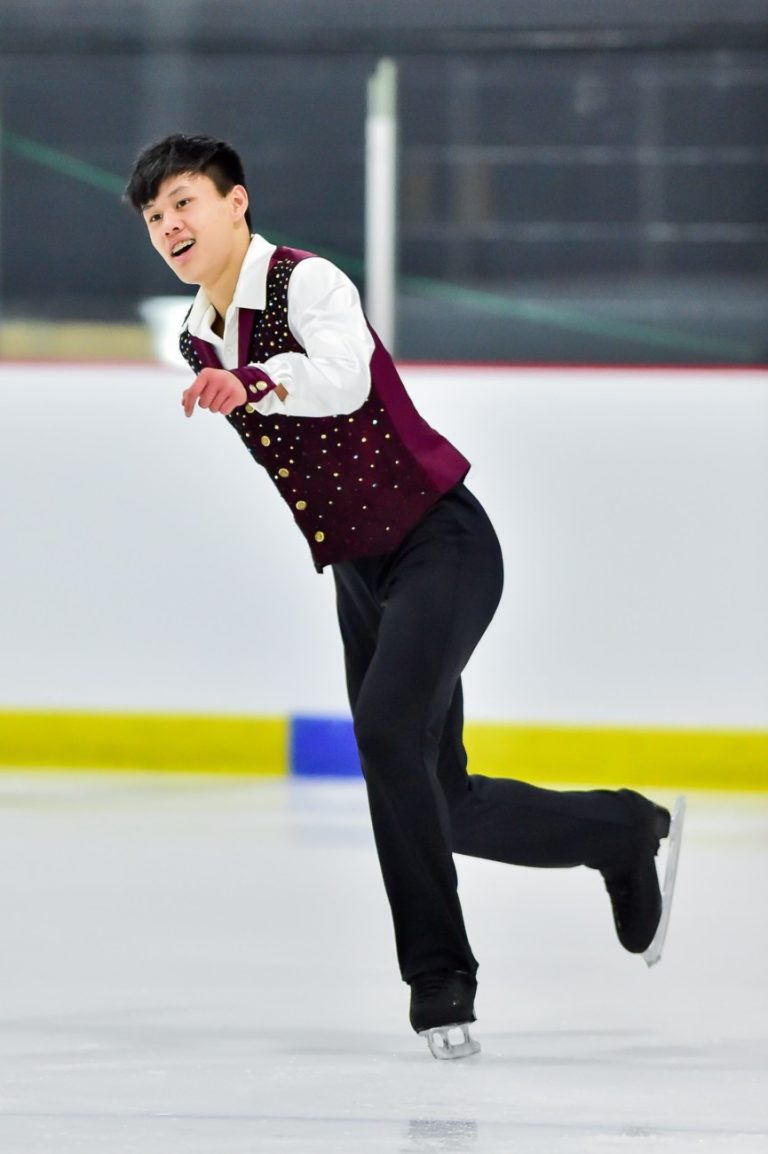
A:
205	966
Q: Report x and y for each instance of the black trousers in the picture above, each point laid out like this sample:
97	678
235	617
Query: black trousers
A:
410	620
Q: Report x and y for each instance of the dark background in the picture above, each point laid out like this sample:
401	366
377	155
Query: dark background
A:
578	181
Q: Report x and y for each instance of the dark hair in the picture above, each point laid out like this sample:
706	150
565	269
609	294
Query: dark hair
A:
178	154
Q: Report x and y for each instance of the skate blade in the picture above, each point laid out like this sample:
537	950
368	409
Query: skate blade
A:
444	1044
653	954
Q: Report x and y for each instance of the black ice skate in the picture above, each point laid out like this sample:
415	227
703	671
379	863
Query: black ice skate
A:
640	908
442	1008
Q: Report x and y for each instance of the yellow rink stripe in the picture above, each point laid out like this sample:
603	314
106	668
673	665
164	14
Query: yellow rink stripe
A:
587	755
698	759
75	740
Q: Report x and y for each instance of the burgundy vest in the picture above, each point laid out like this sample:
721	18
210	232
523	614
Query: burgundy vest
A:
356	483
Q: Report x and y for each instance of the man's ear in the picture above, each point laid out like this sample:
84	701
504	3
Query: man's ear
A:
238	196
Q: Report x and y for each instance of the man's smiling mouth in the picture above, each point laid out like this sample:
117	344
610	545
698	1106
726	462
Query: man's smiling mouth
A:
181	247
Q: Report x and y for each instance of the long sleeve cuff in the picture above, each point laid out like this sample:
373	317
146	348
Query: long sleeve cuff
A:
258	384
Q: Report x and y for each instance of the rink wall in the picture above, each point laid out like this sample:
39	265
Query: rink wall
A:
324	747
159	609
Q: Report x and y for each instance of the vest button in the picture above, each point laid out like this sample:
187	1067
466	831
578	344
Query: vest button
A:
319	536
266	441
250	408
301	505
283	472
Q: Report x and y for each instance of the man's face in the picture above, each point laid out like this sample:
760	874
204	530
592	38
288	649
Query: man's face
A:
196	230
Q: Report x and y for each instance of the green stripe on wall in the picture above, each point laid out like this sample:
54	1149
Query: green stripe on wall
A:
188	743
697	759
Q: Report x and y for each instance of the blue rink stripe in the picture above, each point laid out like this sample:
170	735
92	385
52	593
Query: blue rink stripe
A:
588	755
323	747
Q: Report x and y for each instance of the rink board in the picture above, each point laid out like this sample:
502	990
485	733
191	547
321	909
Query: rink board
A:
308	746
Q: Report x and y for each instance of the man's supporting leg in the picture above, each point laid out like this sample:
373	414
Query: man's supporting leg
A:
437	595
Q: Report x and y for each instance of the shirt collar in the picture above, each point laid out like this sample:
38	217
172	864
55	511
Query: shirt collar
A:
250	290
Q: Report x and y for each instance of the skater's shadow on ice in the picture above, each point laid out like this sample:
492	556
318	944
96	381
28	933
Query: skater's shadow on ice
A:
557	1047
632	1049
338	1042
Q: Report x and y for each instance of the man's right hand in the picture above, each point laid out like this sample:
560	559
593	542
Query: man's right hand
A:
214	389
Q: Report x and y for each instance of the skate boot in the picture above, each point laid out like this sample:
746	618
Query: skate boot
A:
640	908
442	1007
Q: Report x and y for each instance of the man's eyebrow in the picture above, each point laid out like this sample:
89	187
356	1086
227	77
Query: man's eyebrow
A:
172	193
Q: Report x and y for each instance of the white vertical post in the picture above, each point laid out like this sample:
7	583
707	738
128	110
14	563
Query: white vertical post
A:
2	158
380	200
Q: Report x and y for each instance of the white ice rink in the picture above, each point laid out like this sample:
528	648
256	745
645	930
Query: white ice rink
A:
199	966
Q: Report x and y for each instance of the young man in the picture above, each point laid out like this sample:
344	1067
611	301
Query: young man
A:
280	347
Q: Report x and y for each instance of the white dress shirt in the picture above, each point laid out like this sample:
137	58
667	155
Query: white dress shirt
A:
325	317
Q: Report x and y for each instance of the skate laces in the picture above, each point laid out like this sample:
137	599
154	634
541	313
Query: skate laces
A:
435	982
428	985
620	892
